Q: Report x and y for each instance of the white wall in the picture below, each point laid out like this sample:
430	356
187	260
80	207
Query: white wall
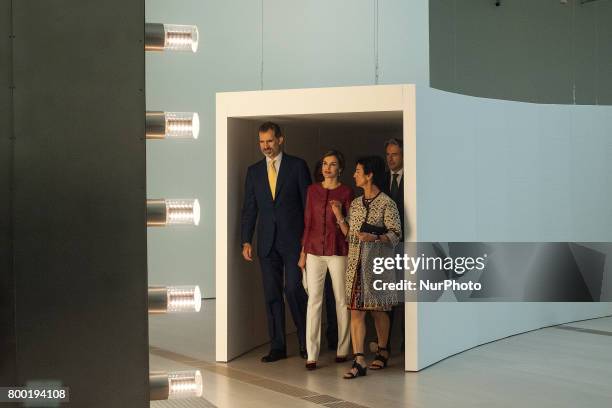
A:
245	291
518	172
449	328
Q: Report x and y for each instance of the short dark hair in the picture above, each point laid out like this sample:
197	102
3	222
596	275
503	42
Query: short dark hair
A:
318	171
374	165
396	142
264	127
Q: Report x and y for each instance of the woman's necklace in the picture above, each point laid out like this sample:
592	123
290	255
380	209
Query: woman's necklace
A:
368	201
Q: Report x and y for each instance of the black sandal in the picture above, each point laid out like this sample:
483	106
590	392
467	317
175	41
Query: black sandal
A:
381	358
361	370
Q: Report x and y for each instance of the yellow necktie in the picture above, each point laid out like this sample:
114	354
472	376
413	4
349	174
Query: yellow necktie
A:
272	178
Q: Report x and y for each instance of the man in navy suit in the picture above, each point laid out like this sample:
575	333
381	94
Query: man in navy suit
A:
394	178
394	188
275	190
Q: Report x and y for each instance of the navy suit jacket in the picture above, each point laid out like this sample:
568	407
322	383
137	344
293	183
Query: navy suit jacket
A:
399	200
283	216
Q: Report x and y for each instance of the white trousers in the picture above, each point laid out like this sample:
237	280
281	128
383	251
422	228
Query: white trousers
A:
316	269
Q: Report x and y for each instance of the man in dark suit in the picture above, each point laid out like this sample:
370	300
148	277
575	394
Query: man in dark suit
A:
394	188
394	178
275	190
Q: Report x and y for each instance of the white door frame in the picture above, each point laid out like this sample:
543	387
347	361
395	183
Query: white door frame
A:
379	98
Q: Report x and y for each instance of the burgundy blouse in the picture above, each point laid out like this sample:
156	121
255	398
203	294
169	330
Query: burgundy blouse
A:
322	235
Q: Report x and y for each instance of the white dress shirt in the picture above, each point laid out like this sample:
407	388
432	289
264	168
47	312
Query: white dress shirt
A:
277	163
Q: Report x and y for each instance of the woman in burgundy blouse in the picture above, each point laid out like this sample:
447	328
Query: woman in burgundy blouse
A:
324	247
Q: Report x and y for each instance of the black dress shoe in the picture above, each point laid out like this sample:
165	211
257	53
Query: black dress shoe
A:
303	354
273	356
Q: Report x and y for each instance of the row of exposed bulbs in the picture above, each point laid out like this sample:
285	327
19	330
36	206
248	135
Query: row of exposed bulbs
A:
171	125
176	384
166	212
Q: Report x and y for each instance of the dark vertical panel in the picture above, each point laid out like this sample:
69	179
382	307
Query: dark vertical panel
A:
585	52
442	44
7	320
486	51
538	51
80	236
520	50
604	52
546	51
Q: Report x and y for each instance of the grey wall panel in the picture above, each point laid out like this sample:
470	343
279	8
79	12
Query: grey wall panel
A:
442	39
584	52
604	52
80	235
508	52
538	51
7	323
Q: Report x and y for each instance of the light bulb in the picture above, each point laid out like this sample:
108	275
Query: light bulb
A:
172	125
174	299
163	212
184	299
171	37
182	125
182	212
185	384
174	385
181	37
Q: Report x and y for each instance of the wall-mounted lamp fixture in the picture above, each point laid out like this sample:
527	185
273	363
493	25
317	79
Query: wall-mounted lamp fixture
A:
172	125
171	37
173	211
174	385
174	299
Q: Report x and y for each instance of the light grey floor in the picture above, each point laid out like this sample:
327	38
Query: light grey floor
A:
550	367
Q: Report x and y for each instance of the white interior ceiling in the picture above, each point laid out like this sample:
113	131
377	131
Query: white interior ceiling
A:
379	121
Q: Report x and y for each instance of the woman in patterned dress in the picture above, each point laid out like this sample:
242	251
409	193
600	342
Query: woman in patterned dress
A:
378	211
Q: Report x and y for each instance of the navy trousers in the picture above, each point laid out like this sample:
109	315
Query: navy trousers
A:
281	273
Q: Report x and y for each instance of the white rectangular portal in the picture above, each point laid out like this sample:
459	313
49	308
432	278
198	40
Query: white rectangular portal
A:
354	120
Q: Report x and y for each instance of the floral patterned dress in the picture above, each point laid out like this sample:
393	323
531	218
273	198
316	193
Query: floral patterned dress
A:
380	211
